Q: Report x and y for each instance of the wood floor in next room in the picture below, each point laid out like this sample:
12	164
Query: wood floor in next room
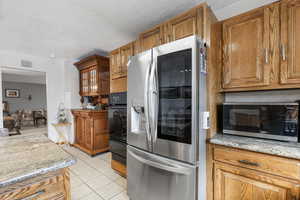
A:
93	179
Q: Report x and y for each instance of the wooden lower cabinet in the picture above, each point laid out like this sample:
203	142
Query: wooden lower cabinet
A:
91	131
50	186
245	175
119	167
237	183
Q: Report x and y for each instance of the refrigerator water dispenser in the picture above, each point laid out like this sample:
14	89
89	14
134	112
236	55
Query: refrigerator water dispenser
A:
138	119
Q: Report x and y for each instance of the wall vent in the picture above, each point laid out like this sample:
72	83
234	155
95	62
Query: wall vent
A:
26	63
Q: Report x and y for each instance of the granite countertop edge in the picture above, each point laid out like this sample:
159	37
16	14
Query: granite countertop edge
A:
283	149
37	172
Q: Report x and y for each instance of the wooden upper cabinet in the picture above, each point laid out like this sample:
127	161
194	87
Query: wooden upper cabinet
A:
93	81
246	50
185	25
118	67
93	72
84	82
115	64
126	52
234	183
136	47
290	42
152	38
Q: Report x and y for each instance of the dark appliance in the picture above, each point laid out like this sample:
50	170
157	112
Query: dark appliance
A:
117	117
277	121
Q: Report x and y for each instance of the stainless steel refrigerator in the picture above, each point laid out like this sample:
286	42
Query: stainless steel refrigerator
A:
167	121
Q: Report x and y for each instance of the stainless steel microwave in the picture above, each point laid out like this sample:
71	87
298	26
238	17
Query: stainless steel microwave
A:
277	121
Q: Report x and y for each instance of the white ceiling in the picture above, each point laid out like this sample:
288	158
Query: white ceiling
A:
72	28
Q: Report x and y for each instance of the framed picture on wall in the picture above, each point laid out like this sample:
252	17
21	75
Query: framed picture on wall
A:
12	93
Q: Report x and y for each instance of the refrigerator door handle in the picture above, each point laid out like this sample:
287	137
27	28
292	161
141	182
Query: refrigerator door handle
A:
146	99
160	165
156	104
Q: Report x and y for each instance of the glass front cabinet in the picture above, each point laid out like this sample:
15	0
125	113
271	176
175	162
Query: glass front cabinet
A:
94	76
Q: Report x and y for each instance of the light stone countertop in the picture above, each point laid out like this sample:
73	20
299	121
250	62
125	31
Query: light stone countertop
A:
28	156
284	149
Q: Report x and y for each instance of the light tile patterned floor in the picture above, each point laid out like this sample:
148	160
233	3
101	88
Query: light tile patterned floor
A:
93	179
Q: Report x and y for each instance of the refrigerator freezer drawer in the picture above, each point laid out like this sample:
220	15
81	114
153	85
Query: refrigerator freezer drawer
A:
152	177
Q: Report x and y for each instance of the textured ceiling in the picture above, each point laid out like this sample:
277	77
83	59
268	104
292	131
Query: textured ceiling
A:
71	28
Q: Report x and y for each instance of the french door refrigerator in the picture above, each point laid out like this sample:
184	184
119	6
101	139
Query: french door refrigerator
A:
166	133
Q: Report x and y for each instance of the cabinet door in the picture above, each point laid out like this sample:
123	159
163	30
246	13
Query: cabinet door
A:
104	81
88	133
136	47
290	42
101	133
115	64
79	130
234	183
84	82
126	53
151	38
185	25
93	81
246	50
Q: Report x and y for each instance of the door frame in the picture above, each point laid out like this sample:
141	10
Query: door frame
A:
1	91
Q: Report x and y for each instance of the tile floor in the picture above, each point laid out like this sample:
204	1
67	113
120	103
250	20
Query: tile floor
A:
93	179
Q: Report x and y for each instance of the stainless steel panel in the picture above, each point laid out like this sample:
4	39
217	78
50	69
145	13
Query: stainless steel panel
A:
262	135
151	177
138	133
181	151
262	103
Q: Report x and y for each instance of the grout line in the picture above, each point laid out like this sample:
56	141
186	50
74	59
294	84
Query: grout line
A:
92	166
85	183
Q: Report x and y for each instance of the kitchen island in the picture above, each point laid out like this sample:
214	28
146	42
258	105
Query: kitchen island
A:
33	167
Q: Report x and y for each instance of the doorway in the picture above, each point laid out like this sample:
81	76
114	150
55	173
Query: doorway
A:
24	101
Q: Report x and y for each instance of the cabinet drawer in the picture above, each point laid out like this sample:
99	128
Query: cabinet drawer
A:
49	189
266	163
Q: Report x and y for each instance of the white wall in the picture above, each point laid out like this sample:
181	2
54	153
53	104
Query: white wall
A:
240	7
37	91
55	81
72	97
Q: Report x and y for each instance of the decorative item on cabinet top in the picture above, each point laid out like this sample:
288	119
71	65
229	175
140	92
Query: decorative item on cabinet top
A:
94	75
